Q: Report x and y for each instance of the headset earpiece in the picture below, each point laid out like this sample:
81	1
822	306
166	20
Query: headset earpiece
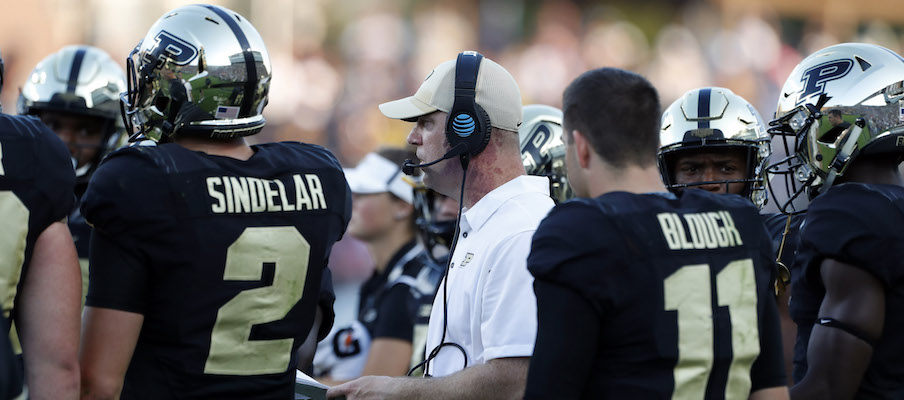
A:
468	123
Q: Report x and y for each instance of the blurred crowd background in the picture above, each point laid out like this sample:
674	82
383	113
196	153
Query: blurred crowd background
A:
335	60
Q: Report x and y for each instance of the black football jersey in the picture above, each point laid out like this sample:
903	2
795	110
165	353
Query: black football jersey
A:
392	300
860	225
396	302
223	257
36	180
677	295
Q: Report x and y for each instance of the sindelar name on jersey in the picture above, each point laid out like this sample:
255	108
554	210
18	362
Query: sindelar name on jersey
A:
232	194
707	230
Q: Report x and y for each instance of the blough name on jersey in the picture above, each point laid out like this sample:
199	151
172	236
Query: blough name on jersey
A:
707	230
232	194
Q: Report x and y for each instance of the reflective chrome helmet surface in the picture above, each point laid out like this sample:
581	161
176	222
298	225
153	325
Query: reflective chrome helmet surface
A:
81	81
542	149
862	83
715	118
201	70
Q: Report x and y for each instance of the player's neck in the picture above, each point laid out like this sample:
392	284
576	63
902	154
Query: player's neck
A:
632	179
874	170
383	248
235	148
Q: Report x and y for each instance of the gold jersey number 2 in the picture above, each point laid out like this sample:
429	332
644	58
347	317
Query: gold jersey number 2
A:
232	352
687	290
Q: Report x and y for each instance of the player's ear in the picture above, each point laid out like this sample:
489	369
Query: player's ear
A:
582	147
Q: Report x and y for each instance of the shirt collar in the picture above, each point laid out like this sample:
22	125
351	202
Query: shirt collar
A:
474	217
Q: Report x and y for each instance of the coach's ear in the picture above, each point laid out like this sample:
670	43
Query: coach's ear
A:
582	148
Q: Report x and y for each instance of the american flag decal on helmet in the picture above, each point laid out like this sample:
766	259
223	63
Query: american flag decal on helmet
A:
225	112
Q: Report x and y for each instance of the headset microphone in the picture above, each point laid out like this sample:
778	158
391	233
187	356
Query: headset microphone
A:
459	149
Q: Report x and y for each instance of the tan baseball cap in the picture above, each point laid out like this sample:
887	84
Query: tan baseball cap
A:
496	92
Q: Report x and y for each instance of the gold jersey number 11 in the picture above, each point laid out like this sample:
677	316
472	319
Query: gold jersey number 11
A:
687	291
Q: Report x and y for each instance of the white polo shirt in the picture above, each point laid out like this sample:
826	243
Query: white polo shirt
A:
492	309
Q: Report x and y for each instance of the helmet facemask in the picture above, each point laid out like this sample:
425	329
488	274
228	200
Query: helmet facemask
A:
145	105
755	155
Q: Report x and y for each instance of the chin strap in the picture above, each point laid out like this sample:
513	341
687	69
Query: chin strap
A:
784	274
844	156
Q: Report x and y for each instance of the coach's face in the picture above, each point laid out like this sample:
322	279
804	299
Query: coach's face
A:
429	139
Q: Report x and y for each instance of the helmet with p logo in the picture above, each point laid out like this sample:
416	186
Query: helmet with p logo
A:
861	85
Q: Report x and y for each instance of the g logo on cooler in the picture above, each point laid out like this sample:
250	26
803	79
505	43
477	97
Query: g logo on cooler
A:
815	78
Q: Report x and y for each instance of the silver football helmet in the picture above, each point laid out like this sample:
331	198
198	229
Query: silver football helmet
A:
715	118
542	149
80	81
201	70
863	82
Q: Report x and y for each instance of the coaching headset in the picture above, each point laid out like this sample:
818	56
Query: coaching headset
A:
468	125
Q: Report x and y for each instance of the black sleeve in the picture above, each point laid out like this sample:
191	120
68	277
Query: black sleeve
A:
769	368
567	250
395	319
129	197
858	225
562	361
117	278
325	301
127	203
